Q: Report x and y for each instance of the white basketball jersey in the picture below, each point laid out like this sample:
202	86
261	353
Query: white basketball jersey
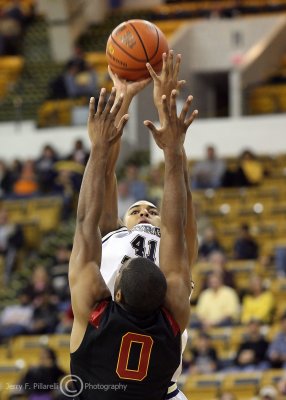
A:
118	246
142	240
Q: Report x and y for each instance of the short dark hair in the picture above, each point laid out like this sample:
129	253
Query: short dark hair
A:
143	286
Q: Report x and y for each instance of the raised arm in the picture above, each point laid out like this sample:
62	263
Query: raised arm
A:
163	85
86	283
191	233
109	219
174	260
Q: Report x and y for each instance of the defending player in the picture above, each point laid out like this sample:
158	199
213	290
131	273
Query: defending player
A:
108	336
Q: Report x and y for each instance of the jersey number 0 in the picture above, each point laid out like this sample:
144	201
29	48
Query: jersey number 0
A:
141	372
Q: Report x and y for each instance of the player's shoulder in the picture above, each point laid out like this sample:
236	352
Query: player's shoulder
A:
119	232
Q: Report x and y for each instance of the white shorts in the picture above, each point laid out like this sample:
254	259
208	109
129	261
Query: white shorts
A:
178	395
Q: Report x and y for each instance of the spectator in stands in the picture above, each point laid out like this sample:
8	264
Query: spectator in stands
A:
203	222
45	169
155	185
79	154
40	381
251	168
137	188
248	172
251	354
27	184
15	170
245	247
280	260
203	356
67	184
74	82
268	393
209	243
258	303
218	261
59	275
208	173
45	315
16	319
125	198
66	321
218	305
11	28
11	240
5	179
77	60
39	284
14	10
277	348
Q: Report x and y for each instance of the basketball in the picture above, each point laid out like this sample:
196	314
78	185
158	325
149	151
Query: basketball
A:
131	45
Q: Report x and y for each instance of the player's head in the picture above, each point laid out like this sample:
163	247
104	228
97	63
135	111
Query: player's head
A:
142	212
140	286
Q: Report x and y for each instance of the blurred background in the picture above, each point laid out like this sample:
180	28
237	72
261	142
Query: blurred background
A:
52	59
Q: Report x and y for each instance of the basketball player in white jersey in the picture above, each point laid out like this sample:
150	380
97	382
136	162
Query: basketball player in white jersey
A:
139	233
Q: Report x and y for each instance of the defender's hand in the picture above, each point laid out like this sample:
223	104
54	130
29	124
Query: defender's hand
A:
171	135
102	131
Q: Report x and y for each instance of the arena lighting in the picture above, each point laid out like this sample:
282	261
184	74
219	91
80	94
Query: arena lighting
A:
224	208
210	193
258	208
20	363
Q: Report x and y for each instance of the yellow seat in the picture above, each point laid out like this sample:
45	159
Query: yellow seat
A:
10	69
10	372
272	377
206	386
28	343
244	385
46	211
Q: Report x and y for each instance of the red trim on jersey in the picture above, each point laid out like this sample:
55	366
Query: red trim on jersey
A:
96	315
175	327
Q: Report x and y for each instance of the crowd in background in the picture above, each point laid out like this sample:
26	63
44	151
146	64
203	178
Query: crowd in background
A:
43	304
14	21
46	174
78	79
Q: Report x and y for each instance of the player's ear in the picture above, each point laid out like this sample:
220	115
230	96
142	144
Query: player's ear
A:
118	296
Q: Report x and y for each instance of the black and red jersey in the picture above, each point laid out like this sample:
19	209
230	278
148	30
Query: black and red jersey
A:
124	357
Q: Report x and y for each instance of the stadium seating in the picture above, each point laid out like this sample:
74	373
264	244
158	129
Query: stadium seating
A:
10	70
42	211
244	385
203	386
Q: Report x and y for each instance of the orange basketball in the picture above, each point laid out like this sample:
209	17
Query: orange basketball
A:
131	45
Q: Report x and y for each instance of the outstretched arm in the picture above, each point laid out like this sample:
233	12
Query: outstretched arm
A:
86	283
163	85
173	247
109	219
191	233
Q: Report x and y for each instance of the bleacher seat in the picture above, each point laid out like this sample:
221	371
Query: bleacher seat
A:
203	386
10	69
244	385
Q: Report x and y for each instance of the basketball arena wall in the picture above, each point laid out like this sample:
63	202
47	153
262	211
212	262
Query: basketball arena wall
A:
264	135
